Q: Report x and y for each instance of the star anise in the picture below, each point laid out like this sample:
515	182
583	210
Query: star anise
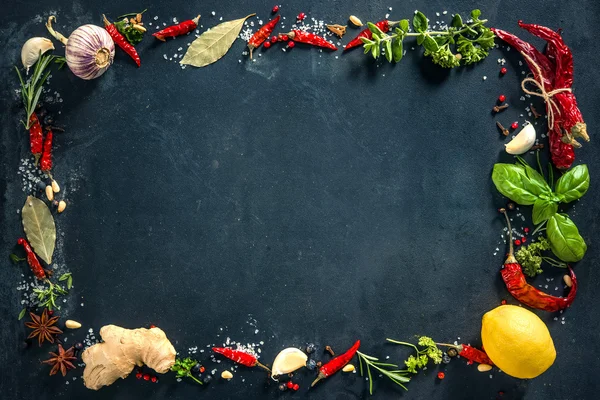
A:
61	361
43	327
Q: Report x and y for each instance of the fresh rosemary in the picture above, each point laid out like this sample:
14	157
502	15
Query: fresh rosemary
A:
32	89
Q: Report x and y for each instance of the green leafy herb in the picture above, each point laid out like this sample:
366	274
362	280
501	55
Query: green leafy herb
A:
573	184
22	313
543	209
132	35
519	184
565	241
183	368
16	259
67	277
530	257
47	297
32	89
422	356
472	41
391	371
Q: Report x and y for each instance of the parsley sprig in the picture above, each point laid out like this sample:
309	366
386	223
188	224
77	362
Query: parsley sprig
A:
422	356
472	40
183	368
530	257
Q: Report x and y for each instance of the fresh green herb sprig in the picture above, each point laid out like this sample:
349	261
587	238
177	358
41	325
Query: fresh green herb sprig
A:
132	35
47	297
530	257
398	376
16	259
183	368
422	356
67	277
32	89
472	40
526	186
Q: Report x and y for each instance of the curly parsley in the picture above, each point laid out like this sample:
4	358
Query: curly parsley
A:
472	40
530	257
183	368
423	356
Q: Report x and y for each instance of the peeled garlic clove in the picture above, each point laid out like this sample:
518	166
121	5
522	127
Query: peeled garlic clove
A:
55	186
355	20
61	206
72	324
348	368
288	360
484	367
49	193
522	142
226	375
33	49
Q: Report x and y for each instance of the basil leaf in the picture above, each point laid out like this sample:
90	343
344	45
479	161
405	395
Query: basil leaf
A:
565	241
513	182
420	22
573	184
397	50
543	209
430	44
457	21
404	25
388	50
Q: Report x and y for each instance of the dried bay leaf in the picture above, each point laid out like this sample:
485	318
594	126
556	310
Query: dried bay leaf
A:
39	227
213	44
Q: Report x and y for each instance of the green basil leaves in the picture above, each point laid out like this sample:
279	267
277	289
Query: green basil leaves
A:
565	241
526	186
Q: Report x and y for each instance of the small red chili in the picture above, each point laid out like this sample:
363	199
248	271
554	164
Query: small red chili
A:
503	71
301	36
301	16
120	40
275	9
296	386
32	260
291	44
35	137
514	125
46	160
383	25
290	384
240	357
262	34
441	375
336	363
177	30
274	39
146	377
501	98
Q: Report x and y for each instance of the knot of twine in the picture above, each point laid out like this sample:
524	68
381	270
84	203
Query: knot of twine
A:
539	84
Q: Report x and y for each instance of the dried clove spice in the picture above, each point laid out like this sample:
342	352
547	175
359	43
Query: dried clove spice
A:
505	131
502	107
329	350
339	30
536	114
537	147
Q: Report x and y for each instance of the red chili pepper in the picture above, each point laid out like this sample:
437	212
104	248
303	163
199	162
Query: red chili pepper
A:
177	30
120	40
240	357
518	287
35	136
336	363
46	160
32	260
262	34
470	353
384	25
300	36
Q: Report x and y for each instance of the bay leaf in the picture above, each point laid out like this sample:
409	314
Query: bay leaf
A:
213	44
39	228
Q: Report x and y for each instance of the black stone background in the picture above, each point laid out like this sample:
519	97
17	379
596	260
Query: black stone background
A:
329	198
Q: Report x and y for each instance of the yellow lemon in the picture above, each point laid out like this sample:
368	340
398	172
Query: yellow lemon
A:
517	341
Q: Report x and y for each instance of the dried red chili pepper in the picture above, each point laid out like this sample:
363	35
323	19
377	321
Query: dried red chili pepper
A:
32	260
35	136
384	25
300	36
336	363
262	34
518	287
240	357
177	30
46	160
120	40
470	353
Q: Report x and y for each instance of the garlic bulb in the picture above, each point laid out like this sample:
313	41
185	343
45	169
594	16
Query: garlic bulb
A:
33	49
524	140
288	360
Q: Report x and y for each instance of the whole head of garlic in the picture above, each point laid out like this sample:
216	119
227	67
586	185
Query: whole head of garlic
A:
33	49
524	140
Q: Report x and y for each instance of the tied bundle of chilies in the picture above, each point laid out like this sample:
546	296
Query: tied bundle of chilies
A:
553	77
517	285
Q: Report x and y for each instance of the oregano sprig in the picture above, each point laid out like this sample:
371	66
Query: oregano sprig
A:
471	41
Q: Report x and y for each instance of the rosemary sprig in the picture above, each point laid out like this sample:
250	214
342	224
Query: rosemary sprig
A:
32	89
398	376
47	297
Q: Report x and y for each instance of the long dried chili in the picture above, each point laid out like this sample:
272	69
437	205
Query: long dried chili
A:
35	136
384	25
336	363
470	353
32	260
300	36
46	160
177	30
262	34
518	287
240	357
120	40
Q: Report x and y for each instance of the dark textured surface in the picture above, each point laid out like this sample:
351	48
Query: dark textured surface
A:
331	199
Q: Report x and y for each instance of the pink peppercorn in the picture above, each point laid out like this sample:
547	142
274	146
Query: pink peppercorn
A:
285	37
301	16
266	45
296	386
503	71
273	39
517	242
146	377
275	9
289	384
501	98
291	44
515	125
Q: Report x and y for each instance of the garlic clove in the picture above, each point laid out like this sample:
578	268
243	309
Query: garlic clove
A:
33	49
72	324
348	368
524	140
226	375
288	360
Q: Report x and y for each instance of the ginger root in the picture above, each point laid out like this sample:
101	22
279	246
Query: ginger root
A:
122	350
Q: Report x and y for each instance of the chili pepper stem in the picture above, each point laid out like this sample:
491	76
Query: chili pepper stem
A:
319	377
197	19
510	259
263	366
449	345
